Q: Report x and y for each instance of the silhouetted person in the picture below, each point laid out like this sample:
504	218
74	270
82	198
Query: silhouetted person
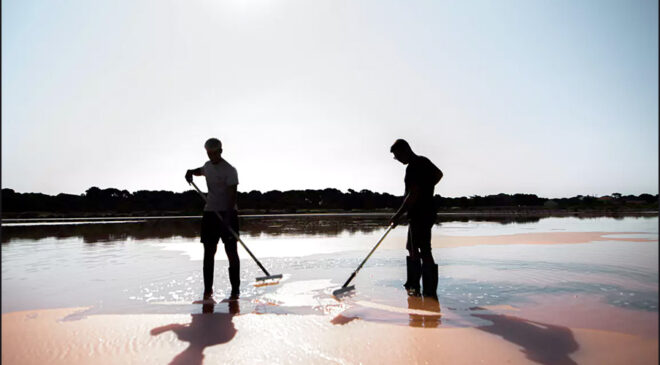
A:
420	180
542	343
222	182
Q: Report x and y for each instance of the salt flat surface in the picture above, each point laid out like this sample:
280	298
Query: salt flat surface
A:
595	274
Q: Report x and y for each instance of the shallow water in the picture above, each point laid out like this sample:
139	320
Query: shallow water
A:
135	266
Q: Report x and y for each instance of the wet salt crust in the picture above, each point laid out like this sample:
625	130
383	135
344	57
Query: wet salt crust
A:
530	294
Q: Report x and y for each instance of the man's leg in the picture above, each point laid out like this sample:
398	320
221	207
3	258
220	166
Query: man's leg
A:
234	267
429	267
209	237
209	261
231	218
413	264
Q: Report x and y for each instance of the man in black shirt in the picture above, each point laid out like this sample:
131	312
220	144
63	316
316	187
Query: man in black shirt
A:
420	180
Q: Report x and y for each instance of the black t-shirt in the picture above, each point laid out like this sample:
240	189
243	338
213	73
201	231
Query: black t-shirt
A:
421	172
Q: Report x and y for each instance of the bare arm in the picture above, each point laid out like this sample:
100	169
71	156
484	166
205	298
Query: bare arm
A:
190	173
408	201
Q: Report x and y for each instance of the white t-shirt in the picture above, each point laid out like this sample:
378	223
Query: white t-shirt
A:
218	178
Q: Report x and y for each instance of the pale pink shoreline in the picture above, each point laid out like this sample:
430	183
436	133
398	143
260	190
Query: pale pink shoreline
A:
41	337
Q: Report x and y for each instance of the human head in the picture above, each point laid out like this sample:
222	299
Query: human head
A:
402	151
213	148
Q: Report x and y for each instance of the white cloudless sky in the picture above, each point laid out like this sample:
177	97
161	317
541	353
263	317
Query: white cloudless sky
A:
555	98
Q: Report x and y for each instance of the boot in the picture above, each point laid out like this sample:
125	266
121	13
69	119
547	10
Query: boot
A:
235	280
430	280
413	273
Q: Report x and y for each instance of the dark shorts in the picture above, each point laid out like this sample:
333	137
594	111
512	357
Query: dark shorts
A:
419	236
213	229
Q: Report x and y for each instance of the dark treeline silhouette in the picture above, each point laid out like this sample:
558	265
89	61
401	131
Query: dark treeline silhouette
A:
109	202
109	230
162	228
274	225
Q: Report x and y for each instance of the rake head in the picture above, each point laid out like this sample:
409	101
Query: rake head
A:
343	291
268	280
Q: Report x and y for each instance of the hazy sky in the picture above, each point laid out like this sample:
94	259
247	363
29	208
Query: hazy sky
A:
556	98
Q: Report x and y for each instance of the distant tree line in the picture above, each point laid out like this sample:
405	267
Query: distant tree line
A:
96	201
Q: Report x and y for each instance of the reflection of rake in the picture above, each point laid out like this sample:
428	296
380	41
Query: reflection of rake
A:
345	289
261	279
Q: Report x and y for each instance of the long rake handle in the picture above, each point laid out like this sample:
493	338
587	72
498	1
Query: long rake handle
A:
369	255
233	233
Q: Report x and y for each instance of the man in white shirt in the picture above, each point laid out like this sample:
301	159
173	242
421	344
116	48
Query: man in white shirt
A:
222	182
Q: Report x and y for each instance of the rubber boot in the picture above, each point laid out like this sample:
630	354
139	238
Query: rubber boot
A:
235	280
430	280
414	272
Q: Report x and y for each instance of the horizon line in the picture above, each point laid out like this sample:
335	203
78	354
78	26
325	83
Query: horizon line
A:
346	192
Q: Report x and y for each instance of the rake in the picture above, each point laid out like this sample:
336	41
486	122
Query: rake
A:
345	289
260	279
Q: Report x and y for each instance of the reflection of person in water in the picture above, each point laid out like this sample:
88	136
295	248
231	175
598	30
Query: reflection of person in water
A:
222	181
427	320
421	177
206	329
